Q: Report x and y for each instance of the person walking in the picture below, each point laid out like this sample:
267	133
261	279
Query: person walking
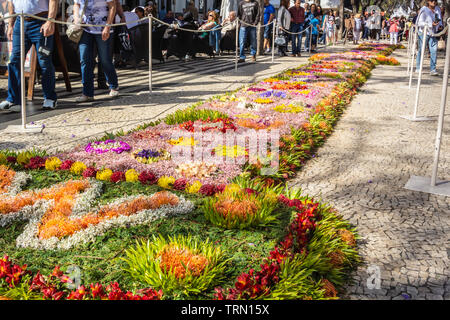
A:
308	18
40	34
249	14
297	20
284	22
329	27
393	30
430	16
357	28
269	15
96	12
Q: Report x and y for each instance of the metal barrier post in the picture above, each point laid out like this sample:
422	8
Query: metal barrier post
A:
22	73
310	38
437	147
419	80
408	52
413	54
273	39
237	46
150	55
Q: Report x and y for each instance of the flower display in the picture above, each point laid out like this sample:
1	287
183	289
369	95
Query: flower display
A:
230	151
78	167
104	175
166	182
194	187
131	175
52	164
100	147
149	155
198	169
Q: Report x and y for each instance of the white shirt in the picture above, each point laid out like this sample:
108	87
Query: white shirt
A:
96	13
426	17
30	6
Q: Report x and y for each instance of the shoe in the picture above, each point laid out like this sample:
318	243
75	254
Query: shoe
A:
293	55
299	55
84	98
114	93
6	105
102	86
241	60
49	104
268	51
254	58
434	73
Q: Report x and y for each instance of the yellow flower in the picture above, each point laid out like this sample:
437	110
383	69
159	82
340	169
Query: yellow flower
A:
166	182
24	157
263	100
131	175
231	189
288	109
2	158
194	188
52	163
104	174
230	151
78	167
181	141
247	116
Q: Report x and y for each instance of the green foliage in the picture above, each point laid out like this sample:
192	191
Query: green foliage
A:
20	292
240	210
144	264
193	114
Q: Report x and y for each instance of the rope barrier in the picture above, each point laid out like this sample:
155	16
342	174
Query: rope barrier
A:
309	27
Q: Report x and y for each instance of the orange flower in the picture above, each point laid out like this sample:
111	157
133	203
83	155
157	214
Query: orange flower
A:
6	178
181	261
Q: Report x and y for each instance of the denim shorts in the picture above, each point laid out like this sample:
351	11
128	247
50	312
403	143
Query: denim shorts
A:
268	31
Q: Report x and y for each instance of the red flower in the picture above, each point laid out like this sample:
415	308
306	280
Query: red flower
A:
66	165
11	159
207	189
147	177
180	184
89	172
36	163
117	176
97	290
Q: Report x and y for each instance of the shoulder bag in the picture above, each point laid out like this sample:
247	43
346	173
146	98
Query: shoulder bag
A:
74	32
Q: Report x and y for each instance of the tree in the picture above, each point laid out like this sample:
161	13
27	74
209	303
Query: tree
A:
341	15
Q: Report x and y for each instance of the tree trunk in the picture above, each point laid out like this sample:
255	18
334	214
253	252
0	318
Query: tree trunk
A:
260	31
341	15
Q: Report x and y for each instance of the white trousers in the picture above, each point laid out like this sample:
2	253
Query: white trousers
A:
394	37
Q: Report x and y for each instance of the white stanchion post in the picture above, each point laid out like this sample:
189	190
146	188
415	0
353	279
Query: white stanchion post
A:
413	55
310	38
408	51
237	47
419	80
437	147
150	55
23	128
22	72
273	39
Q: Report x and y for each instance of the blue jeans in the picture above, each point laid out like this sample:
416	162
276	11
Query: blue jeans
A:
366	33
297	38
214	39
308	35
432	43
323	38
86	46
243	33
34	36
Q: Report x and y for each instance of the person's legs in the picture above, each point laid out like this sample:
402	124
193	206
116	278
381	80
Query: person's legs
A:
45	62
307	36
294	28
242	38
419	51
14	64
86	46
300	37
252	35
218	37
395	38
105	58
432	45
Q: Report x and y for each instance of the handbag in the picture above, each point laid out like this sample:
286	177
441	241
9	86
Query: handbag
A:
280	40
74	32
441	45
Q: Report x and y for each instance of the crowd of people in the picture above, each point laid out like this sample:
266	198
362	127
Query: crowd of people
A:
171	36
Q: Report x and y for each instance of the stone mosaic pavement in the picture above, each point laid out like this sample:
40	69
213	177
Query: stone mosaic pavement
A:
361	171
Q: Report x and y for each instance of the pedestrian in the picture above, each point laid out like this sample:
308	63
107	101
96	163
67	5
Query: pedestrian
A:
314	31
430	16
329	27
393	30
249	14
308	17
297	21
357	29
366	30
284	22
269	15
96	12
38	33
320	17
337	22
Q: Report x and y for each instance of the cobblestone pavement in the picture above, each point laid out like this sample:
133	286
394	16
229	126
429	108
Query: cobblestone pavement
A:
361	171
176	85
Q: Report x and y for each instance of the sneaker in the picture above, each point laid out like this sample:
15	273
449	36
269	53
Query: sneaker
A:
268	50
84	98
241	60
6	105
434	73
49	104
254	58
114	93
299	55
